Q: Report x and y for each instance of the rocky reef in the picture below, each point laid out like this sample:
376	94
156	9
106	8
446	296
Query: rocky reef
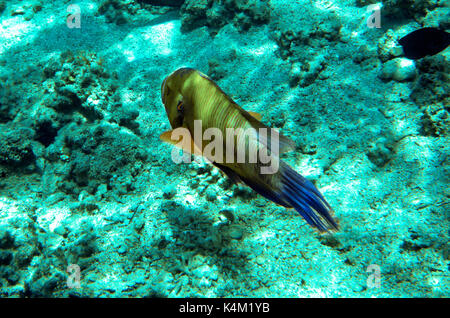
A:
215	14
87	187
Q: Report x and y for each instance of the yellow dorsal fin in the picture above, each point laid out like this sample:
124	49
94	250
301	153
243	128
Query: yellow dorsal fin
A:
187	143
257	116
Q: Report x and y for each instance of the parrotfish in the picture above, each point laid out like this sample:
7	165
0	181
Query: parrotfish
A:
191	97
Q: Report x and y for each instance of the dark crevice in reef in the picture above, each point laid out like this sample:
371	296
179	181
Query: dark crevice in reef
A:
431	94
46	133
4	116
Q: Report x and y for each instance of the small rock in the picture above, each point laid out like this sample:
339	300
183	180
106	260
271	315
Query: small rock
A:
396	51
101	191
54	198
197	260
400	70
295	74
122	249
169	191
202	271
60	230
381	152
330	241
387	46
226	216
211	195
18	11
6	239
184	280
260	260
235	232
204	282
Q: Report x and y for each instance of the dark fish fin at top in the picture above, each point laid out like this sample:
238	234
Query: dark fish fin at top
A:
424	42
306	200
285	144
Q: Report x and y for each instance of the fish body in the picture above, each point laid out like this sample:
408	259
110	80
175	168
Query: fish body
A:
424	42
189	96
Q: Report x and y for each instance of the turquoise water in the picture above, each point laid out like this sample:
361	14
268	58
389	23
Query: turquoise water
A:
92	204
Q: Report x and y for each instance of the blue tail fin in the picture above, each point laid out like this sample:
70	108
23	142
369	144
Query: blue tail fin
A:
306	199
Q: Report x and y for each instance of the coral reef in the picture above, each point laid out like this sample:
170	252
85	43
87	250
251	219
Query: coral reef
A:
122	12
432	94
215	14
398	9
16	149
388	47
295	42
117	11
301	44
77	127
87	187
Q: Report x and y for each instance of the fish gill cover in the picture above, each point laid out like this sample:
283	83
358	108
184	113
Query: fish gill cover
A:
92	204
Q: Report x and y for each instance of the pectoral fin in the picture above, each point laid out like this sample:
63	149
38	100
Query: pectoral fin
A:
184	142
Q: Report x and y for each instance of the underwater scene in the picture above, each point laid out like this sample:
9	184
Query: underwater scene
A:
224	148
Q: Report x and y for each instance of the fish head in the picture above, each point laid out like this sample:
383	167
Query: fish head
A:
173	100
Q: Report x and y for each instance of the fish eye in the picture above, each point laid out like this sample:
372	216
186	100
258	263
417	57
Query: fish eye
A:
180	106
